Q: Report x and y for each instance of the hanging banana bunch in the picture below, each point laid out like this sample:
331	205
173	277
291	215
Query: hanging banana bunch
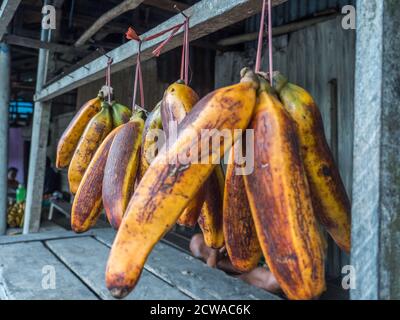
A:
168	187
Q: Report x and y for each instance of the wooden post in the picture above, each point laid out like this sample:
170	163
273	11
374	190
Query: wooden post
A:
375	252
37	159
4	105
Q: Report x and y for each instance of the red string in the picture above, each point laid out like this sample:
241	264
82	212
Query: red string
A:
260	38
108	78
187	53
132	35
271	66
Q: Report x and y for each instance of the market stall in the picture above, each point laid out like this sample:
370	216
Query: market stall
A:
367	151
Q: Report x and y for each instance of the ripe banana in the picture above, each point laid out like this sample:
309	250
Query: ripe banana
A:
121	169
120	114
241	240
280	202
149	148
168	186
210	220
97	129
177	102
70	138
87	202
331	203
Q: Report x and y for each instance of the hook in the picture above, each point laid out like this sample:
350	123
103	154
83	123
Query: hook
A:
180	11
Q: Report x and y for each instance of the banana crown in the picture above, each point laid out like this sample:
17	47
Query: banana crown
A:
265	85
248	75
279	81
139	114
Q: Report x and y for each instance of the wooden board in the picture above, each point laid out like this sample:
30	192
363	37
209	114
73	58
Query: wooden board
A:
206	17
41	236
87	258
192	276
7	11
24	268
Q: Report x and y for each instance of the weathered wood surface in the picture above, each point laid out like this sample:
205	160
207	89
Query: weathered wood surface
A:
192	276
42	236
207	16
87	258
24	274
7	11
375	252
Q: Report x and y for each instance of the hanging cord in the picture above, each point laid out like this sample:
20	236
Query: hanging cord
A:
271	58
132	35
260	39
108	78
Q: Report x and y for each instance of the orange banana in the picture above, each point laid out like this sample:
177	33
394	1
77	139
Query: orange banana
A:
210	220
96	130
149	149
169	185
280	202
330	200
177	102
241	240
121	169
87	202
70	138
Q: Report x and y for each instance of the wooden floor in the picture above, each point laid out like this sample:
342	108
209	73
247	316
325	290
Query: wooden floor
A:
28	263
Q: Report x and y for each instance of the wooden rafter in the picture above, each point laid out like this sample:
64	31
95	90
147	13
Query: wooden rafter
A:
167	5
7	11
123	7
207	16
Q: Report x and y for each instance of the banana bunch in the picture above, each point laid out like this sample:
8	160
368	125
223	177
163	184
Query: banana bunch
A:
168	186
109	179
15	215
83	136
273	212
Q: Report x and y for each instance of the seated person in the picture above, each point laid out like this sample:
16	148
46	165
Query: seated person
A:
259	277
12	182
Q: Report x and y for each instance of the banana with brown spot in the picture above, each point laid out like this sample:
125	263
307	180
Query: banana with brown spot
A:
168	186
96	131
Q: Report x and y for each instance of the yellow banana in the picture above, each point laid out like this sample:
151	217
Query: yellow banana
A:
120	114
280	202
121	169
331	203
169	185
97	129
177	102
241	240
210	220
149	148
70	138
87	202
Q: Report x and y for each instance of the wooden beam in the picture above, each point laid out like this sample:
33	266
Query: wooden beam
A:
5	62
207	16
123	7
7	11
167	5
37	44
278	31
375	254
37	157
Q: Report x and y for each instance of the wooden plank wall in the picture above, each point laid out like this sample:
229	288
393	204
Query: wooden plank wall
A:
318	58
